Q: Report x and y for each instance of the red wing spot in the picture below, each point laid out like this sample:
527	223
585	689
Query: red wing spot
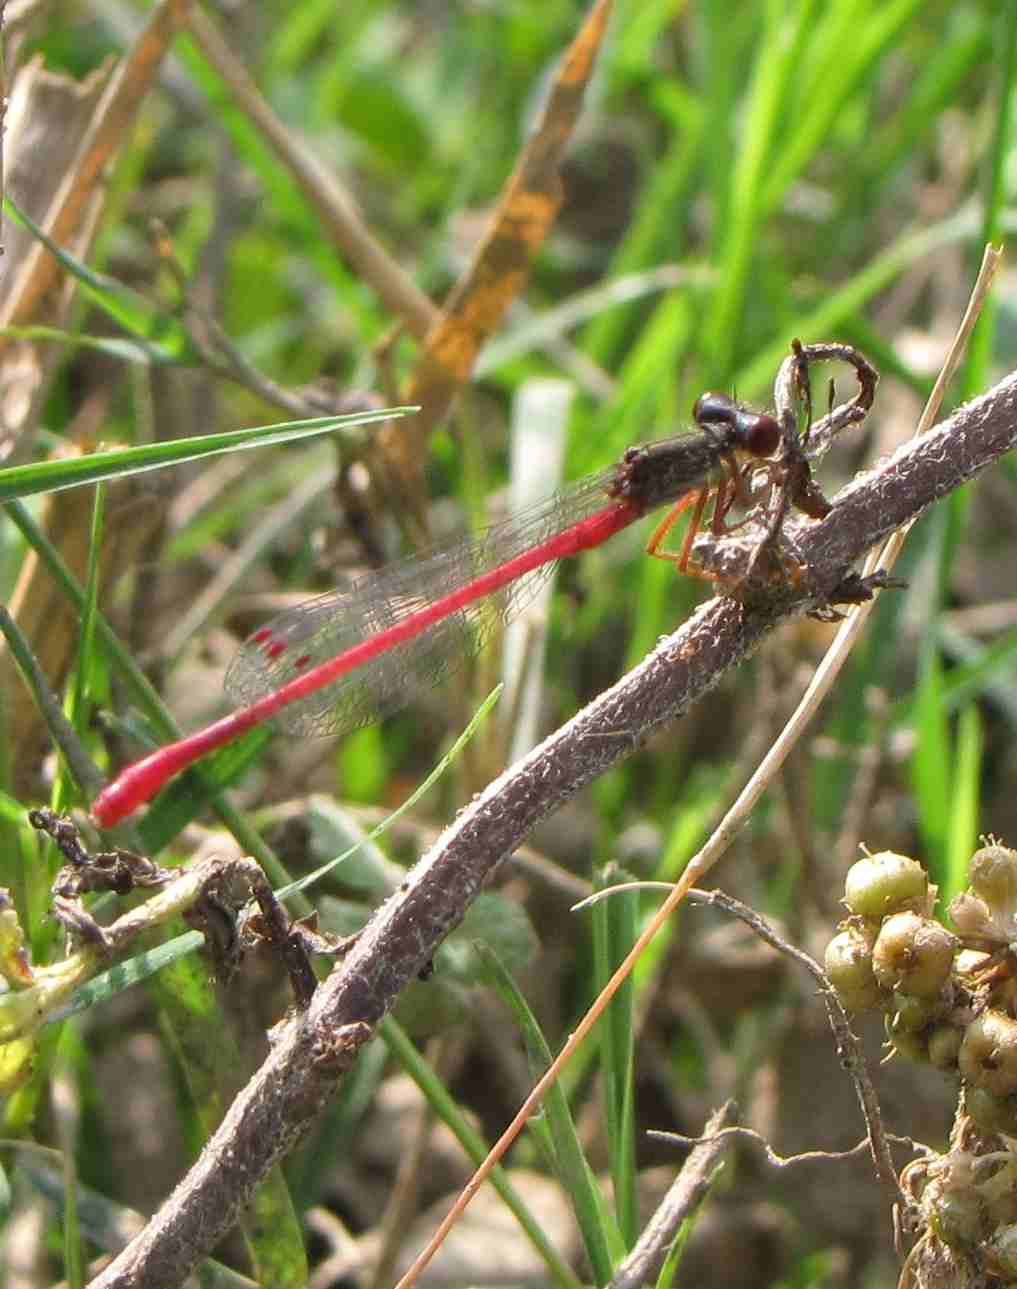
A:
261	635
276	648
302	662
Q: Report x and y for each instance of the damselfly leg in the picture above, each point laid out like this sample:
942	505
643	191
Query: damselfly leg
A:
787	472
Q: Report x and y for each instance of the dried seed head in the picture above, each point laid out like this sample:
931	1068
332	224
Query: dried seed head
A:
914	1014
848	963
944	1046
970	914
1002	1207
878	885
988	1053
957	1215
990	1112
915	1046
1002	1252
968	961
992	872
913	955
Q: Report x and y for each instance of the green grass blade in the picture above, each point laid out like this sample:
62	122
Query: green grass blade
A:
666	1278
450	756
601	1236
776	68
827	318
995	194
930	770
125	975
963	52
652	237
126	350
158	333
615	927
68	1055
61	730
989	670
965	802
847	63
86	664
52	476
448	1111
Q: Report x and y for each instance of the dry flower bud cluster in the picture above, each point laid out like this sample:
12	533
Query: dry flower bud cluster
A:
949	1000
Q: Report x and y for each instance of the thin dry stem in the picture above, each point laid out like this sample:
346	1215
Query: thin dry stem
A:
336	209
690	1187
848	1047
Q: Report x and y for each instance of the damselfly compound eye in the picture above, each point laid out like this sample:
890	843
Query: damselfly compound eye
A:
715	409
763	436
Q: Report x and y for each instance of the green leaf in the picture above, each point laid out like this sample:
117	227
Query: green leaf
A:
124	975
310	878
368	871
498	923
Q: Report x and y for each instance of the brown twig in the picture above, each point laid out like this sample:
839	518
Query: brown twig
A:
339	216
502	260
643	1264
848	1047
313	1049
82	184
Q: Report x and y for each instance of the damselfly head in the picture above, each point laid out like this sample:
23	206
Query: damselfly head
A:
754	432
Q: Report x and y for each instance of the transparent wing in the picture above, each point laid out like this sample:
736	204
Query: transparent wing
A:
320	629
